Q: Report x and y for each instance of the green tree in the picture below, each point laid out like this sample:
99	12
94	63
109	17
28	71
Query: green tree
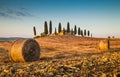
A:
50	27
72	31
113	36
81	31
88	33
85	32
75	30
108	37
68	27
108	43
63	30
55	31
78	31
59	28
45	28
34	30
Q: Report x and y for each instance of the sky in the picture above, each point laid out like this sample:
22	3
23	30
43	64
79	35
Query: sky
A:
101	17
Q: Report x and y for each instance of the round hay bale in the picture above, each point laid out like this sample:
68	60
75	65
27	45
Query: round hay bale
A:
25	50
104	45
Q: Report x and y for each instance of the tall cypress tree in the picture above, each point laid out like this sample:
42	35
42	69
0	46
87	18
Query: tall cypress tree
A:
78	31
88	33
81	32
59	28
55	31
68	27
50	27
63	30
34	30
85	32
45	28
75	30
72	31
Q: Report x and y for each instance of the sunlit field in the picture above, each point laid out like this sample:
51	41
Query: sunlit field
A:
65	56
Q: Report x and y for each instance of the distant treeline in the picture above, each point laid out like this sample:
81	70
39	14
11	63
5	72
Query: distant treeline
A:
10	38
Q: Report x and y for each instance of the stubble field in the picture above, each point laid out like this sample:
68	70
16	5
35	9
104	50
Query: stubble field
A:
65	56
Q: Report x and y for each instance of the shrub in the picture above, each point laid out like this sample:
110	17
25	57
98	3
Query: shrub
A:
43	34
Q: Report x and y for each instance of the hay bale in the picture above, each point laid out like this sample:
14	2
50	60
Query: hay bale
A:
25	50
104	45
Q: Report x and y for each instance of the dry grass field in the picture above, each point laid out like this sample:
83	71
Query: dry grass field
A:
65	56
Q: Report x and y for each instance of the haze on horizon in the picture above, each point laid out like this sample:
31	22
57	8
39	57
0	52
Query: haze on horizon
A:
101	17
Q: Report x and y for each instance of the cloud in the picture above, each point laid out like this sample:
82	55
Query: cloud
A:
20	13
6	12
23	9
23	13
3	14
8	16
9	11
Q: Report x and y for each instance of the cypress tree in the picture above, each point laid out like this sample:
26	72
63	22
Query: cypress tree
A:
45	28
81	32
108	43
78	31
75	30
108	37
34	30
113	36
72	31
88	33
59	28
68	27
85	32
50	27
55	31
63	30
